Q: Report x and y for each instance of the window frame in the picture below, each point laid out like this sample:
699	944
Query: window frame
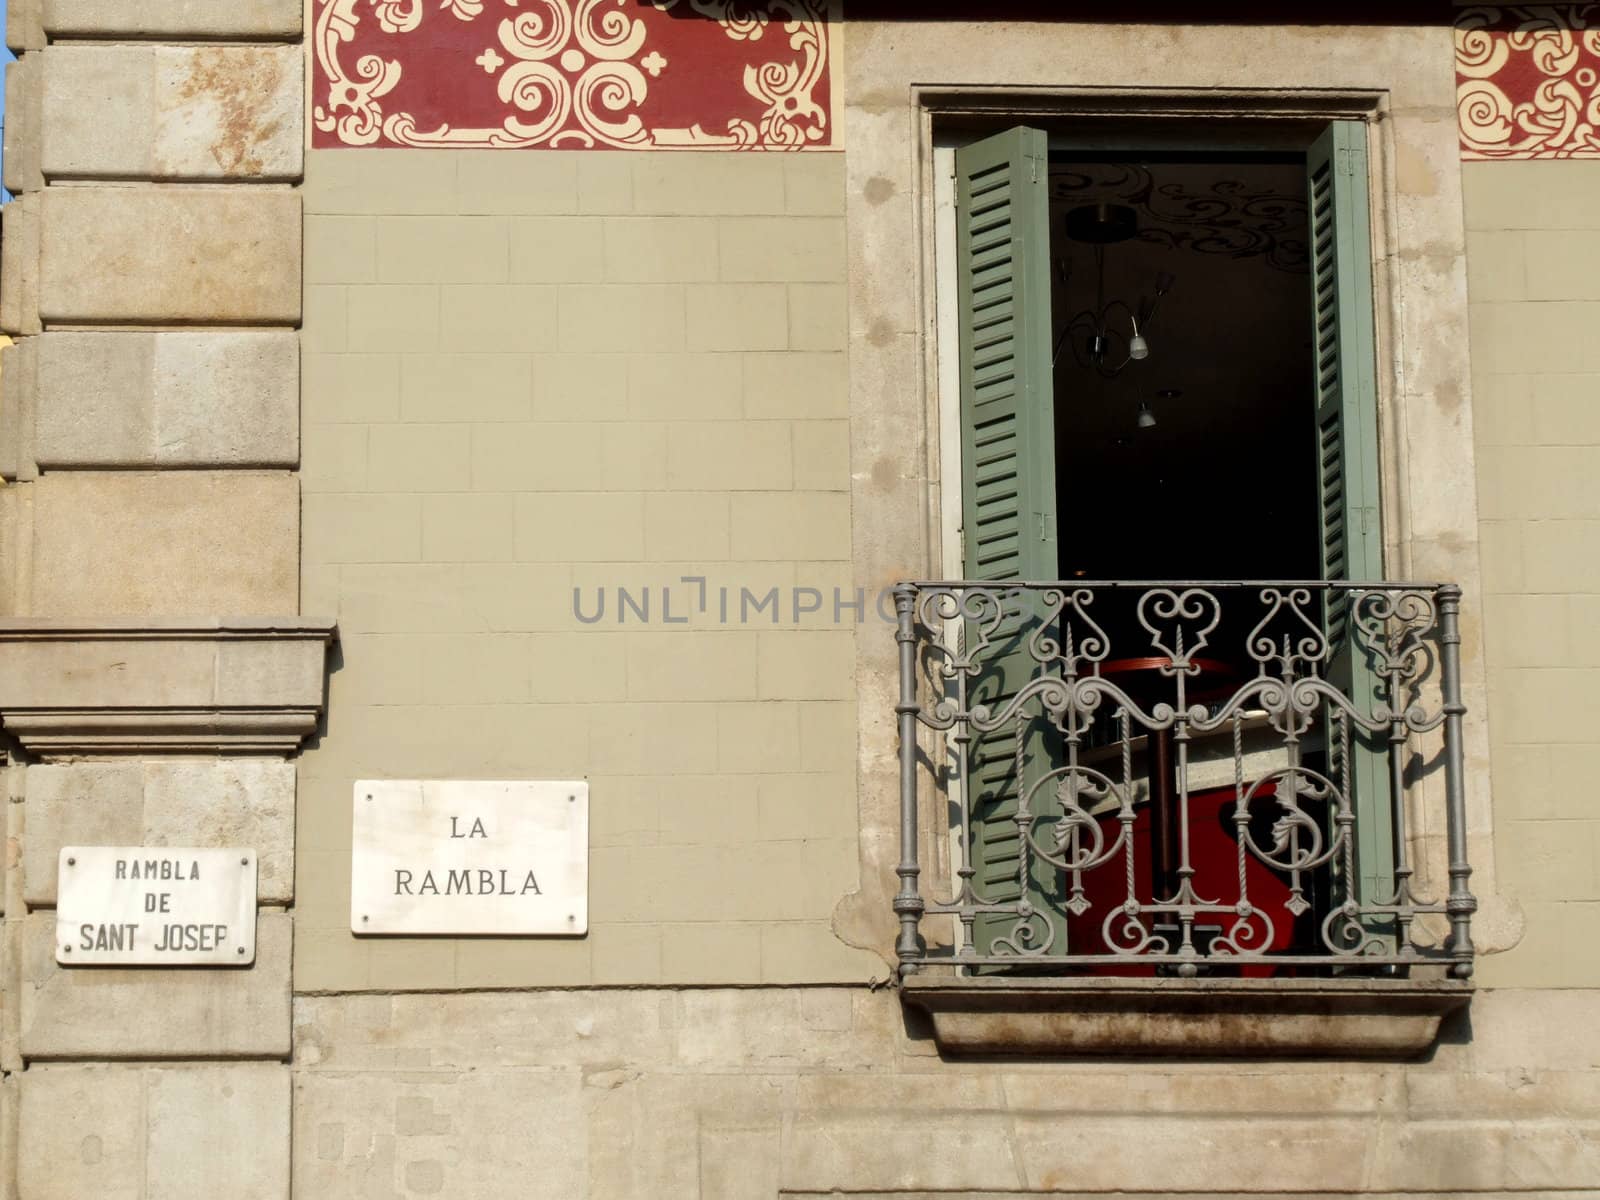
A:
1300	134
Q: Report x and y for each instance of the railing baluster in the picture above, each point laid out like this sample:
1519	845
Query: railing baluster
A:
1461	904
907	902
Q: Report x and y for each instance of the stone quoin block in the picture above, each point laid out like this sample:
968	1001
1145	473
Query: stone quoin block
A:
122	544
243	19
19	265
13	505
19	364
246	802
170	112
161	255
25	25
24	93
155	1012
180	1132
168	399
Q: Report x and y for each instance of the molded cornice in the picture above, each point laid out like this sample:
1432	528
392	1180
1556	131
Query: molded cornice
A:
240	685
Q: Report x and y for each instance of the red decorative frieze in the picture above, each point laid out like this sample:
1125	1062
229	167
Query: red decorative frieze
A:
1528	81
572	74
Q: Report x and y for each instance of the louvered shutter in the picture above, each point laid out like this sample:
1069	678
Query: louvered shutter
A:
1008	476
1347	453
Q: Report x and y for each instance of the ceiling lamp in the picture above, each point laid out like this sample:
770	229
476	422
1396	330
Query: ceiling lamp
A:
1147	415
1096	335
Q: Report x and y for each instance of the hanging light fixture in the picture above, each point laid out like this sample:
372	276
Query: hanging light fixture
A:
1096	335
1147	415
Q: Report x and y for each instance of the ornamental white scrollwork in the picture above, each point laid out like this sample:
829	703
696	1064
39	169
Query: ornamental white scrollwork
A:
1559	117
352	109
578	73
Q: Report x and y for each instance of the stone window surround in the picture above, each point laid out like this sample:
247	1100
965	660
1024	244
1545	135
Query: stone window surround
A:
1430	522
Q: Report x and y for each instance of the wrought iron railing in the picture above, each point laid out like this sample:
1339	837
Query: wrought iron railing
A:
1182	778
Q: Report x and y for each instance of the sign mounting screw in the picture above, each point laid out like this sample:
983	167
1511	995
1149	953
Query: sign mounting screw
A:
240	950
72	862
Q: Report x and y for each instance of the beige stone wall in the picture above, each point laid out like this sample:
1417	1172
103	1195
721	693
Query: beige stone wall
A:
1533	259
149	574
528	374
752	1094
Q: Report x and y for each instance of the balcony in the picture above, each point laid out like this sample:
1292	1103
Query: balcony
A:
1182	817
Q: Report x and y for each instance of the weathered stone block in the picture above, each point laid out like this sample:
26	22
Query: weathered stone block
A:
142	1132
162	254
25	25
231	802
170	112
69	1012
172	18
168	399
24	92
116	544
18	404
19	265
482	1133
13	507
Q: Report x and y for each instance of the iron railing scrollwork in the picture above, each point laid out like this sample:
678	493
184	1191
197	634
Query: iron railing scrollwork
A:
1184	778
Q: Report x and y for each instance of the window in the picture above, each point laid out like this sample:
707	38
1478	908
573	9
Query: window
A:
1296	480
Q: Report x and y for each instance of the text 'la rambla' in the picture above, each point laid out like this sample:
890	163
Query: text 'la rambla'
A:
467	881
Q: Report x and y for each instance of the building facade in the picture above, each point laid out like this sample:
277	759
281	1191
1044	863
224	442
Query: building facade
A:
580	391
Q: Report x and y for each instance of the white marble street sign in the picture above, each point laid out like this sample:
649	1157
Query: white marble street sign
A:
470	857
156	906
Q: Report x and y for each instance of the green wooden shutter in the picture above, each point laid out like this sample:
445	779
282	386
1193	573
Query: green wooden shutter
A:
1347	453
1008	478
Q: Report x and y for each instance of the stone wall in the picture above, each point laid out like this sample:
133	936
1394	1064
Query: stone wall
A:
535	375
149	573
760	1093
1533	259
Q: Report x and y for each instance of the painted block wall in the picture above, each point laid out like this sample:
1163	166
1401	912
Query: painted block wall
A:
1533	262
529	374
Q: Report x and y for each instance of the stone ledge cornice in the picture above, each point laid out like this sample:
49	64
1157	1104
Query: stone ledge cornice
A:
1204	1018
240	685
39	629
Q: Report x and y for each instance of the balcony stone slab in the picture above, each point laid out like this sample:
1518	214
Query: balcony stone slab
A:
1193	1018
241	686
